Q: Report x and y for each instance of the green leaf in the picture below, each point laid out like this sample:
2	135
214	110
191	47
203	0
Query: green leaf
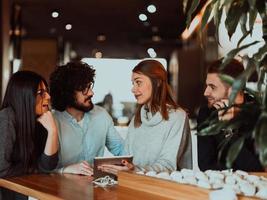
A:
185	2
252	17
261	73
217	18
261	7
261	52
251	3
192	8
240	83
243	37
243	23
227	3
234	151
206	16
232	18
227	59
261	137
237	86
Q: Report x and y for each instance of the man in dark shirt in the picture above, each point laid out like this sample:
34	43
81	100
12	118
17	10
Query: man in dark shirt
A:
217	93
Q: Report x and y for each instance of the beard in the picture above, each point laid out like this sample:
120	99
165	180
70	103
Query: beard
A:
81	107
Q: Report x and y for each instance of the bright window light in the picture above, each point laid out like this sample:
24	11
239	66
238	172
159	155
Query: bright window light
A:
114	76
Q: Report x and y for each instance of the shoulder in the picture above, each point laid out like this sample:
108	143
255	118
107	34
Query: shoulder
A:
7	122
177	114
7	115
99	112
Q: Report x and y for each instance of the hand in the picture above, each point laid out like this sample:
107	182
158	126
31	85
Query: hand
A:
82	168
225	114
47	120
114	169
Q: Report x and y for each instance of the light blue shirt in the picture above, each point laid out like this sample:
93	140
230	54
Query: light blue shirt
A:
85	142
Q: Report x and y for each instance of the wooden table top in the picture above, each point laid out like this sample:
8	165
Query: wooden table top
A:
57	186
67	186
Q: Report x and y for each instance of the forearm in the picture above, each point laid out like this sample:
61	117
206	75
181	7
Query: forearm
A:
51	146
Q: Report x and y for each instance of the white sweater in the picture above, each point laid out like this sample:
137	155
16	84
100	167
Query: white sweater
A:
155	143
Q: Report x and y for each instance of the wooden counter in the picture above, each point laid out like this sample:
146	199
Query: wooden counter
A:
164	189
75	187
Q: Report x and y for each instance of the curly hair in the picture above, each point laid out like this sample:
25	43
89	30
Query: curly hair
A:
66	79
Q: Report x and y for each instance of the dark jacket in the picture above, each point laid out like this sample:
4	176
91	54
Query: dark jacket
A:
7	142
209	146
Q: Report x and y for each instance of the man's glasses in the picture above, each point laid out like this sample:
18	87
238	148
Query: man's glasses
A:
90	86
42	92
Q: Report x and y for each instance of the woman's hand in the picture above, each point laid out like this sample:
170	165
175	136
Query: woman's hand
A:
114	169
83	168
47	120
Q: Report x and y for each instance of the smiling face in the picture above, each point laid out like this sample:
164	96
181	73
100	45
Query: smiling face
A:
142	88
215	90
42	100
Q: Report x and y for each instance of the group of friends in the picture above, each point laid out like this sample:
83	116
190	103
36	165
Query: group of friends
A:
68	138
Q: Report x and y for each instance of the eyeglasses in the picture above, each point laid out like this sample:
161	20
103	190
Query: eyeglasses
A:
42	92
90	86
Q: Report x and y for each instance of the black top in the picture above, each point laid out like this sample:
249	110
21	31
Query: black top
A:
209	146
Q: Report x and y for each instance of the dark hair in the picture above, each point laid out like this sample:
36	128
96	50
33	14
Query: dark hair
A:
162	98
66	79
20	96
234	68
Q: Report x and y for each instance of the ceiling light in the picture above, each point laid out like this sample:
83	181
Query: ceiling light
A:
143	17
156	38
68	27
151	52
55	14
101	38
151	8
155	29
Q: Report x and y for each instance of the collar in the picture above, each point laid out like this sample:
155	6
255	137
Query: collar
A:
148	119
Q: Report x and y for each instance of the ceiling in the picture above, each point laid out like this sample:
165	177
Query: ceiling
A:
126	36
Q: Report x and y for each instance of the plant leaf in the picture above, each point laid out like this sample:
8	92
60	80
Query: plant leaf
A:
243	23
261	52
241	80
227	59
234	151
205	17
252	17
217	18
192	8
185	2
233	16
261	137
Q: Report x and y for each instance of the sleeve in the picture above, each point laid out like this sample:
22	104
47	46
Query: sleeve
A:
208	153
184	156
167	159
47	163
7	140
114	142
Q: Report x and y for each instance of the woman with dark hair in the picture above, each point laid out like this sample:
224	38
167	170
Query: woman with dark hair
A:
28	138
159	136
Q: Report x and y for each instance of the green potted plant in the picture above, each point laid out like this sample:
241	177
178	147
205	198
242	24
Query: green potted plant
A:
243	12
